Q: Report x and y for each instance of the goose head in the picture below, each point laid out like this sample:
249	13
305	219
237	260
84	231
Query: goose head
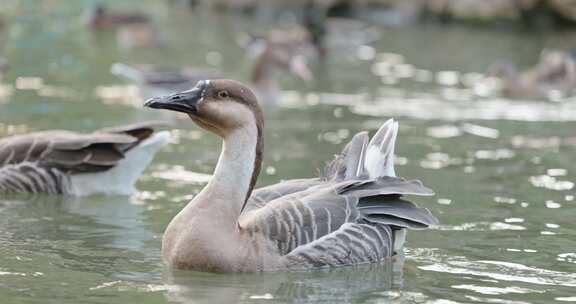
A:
220	106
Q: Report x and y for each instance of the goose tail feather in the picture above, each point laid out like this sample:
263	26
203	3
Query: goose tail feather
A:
365	157
379	160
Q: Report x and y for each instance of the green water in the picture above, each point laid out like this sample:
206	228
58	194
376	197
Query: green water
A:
505	196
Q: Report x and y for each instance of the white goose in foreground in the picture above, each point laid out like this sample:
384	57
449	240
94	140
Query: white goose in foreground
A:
108	161
352	215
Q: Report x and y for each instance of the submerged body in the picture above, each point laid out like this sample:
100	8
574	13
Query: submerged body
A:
354	214
108	161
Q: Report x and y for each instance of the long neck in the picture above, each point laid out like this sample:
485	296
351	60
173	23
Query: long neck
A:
236	172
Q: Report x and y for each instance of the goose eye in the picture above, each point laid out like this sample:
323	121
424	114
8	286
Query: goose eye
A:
223	94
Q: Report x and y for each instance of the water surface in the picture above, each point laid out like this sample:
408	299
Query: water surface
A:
503	170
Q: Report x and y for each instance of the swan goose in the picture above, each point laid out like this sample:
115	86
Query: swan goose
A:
3	67
108	161
354	214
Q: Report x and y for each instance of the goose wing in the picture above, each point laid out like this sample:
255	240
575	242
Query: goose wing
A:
340	222
349	164
260	197
73	152
354	214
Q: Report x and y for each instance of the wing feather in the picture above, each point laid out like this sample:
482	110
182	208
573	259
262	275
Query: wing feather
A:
375	208
74	152
353	214
385	186
263	195
356	216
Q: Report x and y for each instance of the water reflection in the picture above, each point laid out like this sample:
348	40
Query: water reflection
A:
348	284
88	234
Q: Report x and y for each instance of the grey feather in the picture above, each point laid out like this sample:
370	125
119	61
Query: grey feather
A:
344	218
355	156
392	205
350	162
384	186
397	222
264	195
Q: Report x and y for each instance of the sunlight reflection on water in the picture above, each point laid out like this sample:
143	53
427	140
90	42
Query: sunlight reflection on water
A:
497	109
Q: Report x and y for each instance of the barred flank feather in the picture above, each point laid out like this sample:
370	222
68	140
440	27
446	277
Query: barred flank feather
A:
354	214
29	178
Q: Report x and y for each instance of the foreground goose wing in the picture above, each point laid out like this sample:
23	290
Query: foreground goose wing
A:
264	195
354	215
53	161
342	223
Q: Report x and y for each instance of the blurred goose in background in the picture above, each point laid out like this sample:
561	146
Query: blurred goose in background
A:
341	9
295	40
108	161
99	17
138	35
344	35
340	24
319	33
3	67
554	75
153	81
277	57
354	214
134	30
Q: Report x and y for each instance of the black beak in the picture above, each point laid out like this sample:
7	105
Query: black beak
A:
185	102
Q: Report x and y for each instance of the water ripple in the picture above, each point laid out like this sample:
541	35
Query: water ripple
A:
504	271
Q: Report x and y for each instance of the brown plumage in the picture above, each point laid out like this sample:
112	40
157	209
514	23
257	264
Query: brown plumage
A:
355	214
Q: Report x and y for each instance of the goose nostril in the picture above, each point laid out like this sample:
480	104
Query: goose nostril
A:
176	98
